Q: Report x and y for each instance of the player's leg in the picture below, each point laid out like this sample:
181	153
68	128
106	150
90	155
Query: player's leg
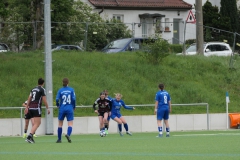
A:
101	122
61	116
119	121
70	118
37	122
25	127
166	117
32	121
107	125
125	125
159	122
105	121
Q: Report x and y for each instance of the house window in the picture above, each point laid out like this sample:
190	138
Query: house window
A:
166	24
118	17
158	25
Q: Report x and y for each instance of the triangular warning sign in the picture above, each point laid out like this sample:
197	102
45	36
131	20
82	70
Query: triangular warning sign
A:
191	18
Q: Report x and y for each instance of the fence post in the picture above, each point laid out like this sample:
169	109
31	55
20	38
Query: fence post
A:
233	49
86	32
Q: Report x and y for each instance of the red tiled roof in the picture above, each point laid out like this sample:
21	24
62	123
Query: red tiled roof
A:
141	3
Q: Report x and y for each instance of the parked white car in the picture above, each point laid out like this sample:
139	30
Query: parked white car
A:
3	47
210	49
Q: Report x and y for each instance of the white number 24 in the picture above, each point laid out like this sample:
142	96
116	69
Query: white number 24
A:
66	99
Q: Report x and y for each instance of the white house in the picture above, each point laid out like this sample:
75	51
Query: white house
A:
147	17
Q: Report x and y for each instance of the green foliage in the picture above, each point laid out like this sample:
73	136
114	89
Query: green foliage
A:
157	51
73	22
229	9
116	30
176	48
190	41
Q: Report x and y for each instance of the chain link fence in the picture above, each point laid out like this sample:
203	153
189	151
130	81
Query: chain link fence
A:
22	36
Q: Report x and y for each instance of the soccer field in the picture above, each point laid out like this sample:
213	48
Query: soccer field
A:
220	145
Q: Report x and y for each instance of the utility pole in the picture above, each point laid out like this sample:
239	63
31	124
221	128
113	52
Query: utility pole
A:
48	66
199	26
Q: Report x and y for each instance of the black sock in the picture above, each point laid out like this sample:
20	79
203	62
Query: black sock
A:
106	126
25	131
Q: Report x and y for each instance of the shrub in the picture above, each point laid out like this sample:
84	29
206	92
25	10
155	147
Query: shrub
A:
155	50
176	48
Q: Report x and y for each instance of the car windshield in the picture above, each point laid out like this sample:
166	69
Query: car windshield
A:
2	47
193	48
117	44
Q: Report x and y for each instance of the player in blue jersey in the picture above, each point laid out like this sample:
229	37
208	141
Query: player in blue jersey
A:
109	117
66	96
117	103
162	109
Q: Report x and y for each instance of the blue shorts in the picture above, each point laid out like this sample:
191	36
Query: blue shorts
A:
65	112
118	115
109	117
162	113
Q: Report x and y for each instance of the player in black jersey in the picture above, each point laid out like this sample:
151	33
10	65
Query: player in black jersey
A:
34	103
104	109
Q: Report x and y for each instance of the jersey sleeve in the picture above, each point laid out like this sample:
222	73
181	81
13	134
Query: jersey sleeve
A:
73	99
57	98
95	103
126	107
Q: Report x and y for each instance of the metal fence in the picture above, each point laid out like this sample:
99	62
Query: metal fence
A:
21	110
22	36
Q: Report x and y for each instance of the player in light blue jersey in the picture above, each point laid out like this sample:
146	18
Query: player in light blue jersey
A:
117	103
162	108
66	96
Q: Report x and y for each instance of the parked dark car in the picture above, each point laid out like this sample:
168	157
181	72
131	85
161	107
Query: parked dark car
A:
66	47
125	44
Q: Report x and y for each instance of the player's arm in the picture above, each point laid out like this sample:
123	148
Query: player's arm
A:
24	104
155	108
27	105
73	100
46	104
57	99
94	106
170	106
127	107
110	104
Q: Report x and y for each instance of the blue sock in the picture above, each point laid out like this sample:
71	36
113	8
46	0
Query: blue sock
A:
120	127
59	133
167	130
125	126
160	130
69	131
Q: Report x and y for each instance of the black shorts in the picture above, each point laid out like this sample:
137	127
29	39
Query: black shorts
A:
35	112
101	113
27	116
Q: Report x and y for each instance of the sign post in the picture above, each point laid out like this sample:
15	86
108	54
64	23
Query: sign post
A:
191	18
227	101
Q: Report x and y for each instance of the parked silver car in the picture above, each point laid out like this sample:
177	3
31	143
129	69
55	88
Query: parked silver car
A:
210	49
66	47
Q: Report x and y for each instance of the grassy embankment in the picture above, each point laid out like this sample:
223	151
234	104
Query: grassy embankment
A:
188	79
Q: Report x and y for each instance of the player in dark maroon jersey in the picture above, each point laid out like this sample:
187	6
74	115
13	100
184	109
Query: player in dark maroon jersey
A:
34	103
103	111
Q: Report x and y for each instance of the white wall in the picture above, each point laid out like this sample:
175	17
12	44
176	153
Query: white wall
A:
90	125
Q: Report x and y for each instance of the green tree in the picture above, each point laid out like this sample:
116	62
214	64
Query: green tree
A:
212	18
229	9
116	29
